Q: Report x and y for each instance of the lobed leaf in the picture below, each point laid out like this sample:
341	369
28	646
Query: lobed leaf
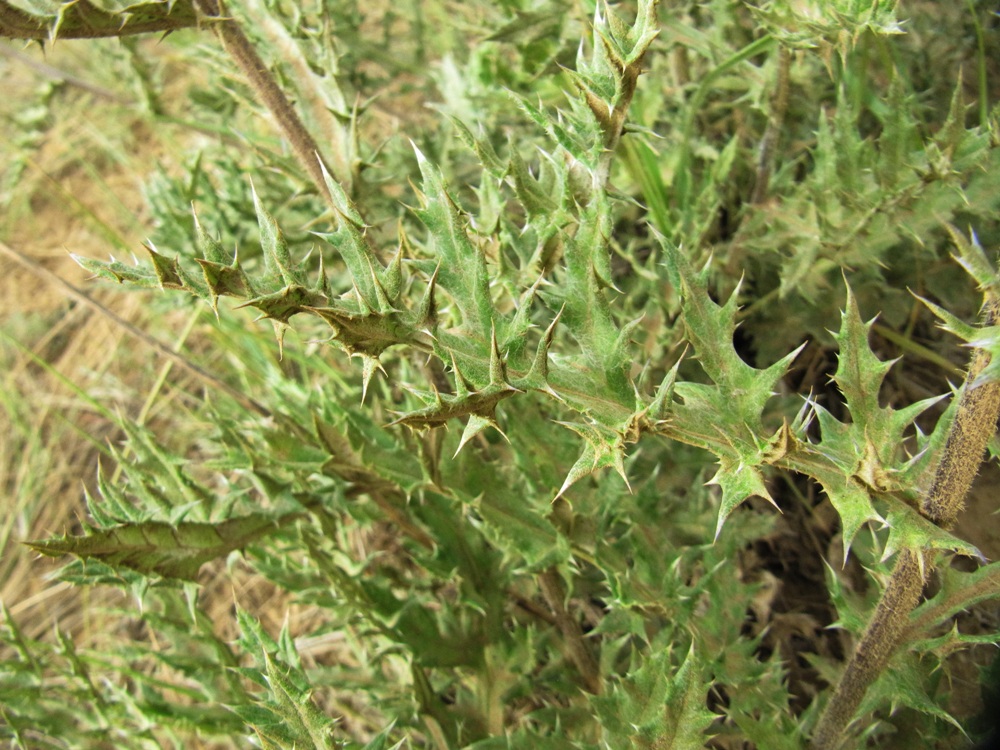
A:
158	548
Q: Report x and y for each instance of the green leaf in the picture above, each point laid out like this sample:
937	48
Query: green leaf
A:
903	684
657	706
908	529
462	265
520	530
741	391
859	372
853	504
158	548
738	482
277	259
119	272
603	448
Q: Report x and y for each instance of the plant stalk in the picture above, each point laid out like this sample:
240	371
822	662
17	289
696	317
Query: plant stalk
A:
242	51
975	423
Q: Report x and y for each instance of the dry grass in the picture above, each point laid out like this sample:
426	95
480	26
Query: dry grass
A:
79	192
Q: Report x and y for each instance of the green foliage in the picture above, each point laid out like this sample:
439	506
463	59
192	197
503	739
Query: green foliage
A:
597	265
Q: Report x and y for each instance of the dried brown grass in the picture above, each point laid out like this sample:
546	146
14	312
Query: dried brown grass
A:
76	195
81	194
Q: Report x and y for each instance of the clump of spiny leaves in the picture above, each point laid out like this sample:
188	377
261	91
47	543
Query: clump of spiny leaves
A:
498	585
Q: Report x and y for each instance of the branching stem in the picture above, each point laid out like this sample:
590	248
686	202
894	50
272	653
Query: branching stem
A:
975	422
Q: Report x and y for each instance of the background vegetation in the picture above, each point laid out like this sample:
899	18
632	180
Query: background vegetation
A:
536	504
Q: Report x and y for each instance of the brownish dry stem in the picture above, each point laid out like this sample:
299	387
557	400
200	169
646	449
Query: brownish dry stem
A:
873	652
975	422
242	51
577	650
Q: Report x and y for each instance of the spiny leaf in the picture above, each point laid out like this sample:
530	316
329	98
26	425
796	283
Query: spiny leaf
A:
482	402
538	375
908	529
742	390
366	334
312	727
209	247
658	707
119	272
973	259
482	148
456	251
859	372
661	402
166	269
158	548
284	303
853	505
602	448
738	482
959	591
521	531
277	259
226	280
369	366
903	684
476	424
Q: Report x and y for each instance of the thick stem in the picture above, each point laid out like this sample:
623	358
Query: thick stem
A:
236	44
975	422
873	652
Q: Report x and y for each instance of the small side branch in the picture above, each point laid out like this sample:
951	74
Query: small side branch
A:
165	351
83	20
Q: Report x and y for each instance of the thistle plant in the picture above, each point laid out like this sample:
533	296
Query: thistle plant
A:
517	453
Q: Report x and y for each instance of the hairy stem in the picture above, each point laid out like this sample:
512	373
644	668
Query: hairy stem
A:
242	51
872	654
320	100
975	422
